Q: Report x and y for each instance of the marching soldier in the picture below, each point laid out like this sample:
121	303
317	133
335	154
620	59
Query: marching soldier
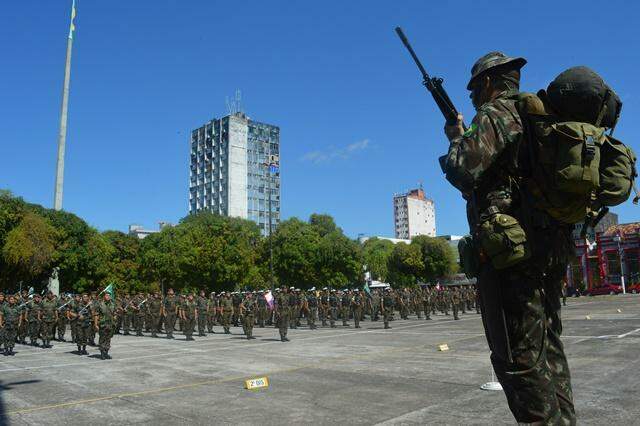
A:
170	312
202	304
73	322
10	321
126	312
282	313
311	308
226	311
104	322
33	316
324	306
189	313
247	311
155	313
63	308
81	313
262	308
356	306
211	310
426	302
345	304
137	306
49	319
333	308
454	299
387	307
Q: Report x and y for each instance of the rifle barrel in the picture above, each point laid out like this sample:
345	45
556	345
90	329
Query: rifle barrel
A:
406	43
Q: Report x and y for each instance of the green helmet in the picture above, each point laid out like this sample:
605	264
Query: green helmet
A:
492	60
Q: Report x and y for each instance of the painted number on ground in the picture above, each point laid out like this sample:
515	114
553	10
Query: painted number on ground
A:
261	382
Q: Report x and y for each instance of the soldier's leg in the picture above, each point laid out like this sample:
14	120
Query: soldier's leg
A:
169	321
284	325
454	308
209	323
356	317
387	317
522	347
202	320
10	333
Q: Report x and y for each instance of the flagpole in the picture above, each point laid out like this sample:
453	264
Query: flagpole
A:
62	134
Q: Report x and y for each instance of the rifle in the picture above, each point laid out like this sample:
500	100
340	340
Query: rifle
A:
65	304
433	85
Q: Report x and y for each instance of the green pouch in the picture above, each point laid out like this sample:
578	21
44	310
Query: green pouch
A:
503	240
617	172
469	257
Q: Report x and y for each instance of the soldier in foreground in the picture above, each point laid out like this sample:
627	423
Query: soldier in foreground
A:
104	322
189	313
522	323
247	311
10	320
386	306
282	313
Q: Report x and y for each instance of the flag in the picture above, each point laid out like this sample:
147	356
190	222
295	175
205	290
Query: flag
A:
72	26
108	289
367	289
269	297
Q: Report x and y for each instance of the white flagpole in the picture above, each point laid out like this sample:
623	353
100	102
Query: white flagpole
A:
62	134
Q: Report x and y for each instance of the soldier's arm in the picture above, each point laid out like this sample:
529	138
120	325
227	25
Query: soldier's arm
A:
475	151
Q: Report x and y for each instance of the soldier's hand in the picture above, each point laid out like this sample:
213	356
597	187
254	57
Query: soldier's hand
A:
455	130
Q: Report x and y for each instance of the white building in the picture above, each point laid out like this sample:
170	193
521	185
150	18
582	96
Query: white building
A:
235	170
140	232
414	214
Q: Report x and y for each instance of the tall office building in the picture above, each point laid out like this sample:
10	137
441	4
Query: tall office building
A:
234	167
414	214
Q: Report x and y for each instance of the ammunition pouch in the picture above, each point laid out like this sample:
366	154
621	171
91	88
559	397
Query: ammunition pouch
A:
469	257
502	239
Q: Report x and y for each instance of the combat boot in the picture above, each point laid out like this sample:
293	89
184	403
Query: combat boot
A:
79	350
84	350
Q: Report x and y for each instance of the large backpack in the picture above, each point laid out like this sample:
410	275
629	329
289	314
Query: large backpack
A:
575	169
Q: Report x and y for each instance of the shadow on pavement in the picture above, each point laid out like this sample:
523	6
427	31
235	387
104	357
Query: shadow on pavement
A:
4	420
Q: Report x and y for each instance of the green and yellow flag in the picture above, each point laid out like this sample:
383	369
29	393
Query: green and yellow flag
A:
72	26
109	289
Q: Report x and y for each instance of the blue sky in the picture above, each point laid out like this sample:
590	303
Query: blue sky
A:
356	125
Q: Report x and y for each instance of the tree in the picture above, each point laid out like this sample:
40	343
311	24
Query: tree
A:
376	254
323	224
204	251
339	261
437	256
123	264
405	265
295	251
29	248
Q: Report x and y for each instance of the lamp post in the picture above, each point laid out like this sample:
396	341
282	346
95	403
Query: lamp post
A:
618	239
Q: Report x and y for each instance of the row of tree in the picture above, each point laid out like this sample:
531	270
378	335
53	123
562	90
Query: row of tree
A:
202	251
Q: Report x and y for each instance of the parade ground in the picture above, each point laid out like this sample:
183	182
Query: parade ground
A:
325	376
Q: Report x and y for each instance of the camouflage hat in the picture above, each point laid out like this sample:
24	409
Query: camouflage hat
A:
492	60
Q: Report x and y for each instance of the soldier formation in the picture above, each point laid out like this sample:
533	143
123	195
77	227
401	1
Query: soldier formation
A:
42	320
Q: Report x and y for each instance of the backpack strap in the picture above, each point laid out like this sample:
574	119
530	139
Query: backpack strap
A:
603	108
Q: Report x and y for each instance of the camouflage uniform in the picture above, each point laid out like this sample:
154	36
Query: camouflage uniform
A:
104	313
283	309
520	305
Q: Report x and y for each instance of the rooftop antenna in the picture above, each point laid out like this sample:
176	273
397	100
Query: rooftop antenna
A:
238	101
229	109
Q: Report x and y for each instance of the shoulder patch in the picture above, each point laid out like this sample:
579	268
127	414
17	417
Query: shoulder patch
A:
470	130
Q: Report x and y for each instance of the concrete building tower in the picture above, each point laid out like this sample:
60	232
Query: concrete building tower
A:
235	170
414	214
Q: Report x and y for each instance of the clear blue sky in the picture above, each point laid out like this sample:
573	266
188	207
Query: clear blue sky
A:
356	124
